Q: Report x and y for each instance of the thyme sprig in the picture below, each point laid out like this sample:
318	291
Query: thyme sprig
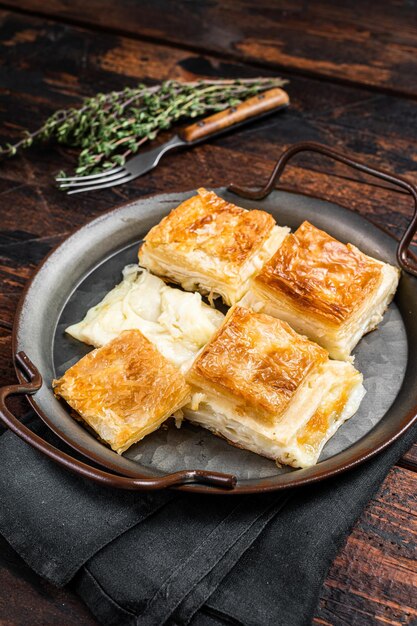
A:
111	127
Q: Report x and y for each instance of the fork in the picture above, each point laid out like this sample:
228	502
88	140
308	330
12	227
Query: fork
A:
212	126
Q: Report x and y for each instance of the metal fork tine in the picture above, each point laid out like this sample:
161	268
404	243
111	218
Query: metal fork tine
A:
85	183
114	170
119	181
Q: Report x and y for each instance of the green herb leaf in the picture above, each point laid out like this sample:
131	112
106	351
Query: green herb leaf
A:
110	127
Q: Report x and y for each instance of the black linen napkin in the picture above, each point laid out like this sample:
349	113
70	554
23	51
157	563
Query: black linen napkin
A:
173	558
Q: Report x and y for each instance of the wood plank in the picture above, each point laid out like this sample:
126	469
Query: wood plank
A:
17	405
372	581
25	598
70	72
334	115
409	460
351	41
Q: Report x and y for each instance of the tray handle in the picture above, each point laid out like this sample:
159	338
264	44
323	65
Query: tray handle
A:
403	255
34	383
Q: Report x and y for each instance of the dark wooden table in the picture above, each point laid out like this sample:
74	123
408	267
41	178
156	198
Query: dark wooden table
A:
353	85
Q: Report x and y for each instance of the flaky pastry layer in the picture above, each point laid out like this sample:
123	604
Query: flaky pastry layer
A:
124	390
211	245
327	290
257	359
321	274
268	389
323	403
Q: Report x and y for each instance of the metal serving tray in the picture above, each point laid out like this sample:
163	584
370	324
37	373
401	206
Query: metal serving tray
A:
79	272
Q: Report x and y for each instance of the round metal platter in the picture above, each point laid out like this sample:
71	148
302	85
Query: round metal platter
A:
76	276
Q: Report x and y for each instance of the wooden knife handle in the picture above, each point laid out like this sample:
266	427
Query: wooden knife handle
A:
262	103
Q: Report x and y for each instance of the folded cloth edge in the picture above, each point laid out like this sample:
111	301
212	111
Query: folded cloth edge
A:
123	510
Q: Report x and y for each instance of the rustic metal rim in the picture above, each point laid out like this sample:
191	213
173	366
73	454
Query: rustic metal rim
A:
116	481
120	481
403	253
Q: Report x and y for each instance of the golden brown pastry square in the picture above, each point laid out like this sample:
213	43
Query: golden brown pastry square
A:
124	390
329	291
268	389
209	245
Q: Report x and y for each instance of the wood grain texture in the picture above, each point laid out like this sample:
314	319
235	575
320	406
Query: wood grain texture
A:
372	580
252	107
409	460
75	63
26	599
45	65
358	42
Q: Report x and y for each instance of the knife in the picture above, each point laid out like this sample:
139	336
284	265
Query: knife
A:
257	106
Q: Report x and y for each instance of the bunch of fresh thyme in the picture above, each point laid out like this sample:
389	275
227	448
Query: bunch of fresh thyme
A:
111	127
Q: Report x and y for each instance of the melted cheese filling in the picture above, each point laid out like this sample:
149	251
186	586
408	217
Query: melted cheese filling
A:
339	340
327	398
217	278
179	324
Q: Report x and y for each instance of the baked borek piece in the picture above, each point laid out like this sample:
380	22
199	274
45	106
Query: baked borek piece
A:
179	324
267	389
124	390
329	291
209	245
